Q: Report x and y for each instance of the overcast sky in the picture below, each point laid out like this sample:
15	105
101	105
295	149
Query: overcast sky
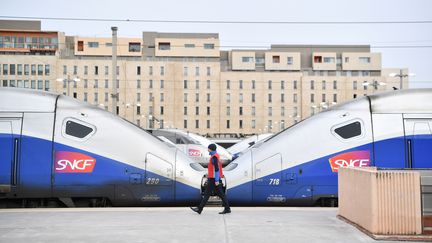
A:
418	60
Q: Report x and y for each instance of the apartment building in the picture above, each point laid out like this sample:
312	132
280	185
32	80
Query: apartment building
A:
185	81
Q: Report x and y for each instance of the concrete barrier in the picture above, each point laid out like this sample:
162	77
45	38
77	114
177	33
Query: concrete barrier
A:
384	202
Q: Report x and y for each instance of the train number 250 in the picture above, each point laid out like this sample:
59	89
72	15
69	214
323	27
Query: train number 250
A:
152	181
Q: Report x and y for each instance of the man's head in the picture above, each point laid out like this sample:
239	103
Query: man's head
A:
212	147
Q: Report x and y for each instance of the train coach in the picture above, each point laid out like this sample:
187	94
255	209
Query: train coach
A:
299	165
57	151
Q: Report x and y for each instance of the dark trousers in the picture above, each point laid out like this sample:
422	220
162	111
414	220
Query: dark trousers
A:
211	187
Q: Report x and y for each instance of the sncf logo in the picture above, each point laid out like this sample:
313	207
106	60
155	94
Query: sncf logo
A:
72	162
194	152
350	159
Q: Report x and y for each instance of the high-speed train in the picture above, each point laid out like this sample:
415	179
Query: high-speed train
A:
299	165
57	151
193	145
239	148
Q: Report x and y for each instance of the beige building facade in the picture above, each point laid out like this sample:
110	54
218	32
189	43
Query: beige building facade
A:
184	80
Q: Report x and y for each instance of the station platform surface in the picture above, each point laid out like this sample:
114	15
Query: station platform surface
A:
180	224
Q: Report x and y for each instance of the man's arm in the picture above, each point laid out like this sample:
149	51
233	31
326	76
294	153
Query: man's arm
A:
215	163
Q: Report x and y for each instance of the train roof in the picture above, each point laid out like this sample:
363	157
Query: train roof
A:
402	101
26	100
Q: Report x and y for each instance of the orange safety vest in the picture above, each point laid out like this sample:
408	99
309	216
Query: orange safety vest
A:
211	169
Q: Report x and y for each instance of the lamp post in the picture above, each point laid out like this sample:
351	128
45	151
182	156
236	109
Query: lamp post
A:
68	80
374	84
401	75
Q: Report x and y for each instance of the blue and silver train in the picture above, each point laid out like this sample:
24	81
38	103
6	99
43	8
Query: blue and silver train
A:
57	151
299	165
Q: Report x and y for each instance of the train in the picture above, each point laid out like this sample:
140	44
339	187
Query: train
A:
193	145
299	165
58	151
239	148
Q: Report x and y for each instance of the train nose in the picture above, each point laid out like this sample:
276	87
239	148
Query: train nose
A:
204	181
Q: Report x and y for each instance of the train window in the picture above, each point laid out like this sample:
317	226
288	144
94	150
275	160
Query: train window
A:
78	130
349	130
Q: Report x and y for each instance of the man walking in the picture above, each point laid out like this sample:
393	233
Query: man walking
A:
214	182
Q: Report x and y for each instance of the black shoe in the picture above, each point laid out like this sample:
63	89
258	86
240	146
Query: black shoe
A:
225	211
196	210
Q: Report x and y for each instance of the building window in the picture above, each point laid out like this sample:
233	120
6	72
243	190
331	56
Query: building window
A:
364	60
138	70
329	59
64	69
185	84
185	71
150	70
323	85
75	70
269	84
197	97
323	98
253	97
134	47
241	111
346	59
335	98
93	44
228	124
228	98
208	97
282	97
164	45
282	84
96	84
241	98
106	70
295	84
241	124
208	110
185	123
197	71
276	59
85	70
253	84
317	59
208	84
162	84
185	97
27	69
253	111
270	111
208	46
161	97
208	124
138	82
150	83
85	84
334	84
270	98
282	111
80	45
161	110
228	84
228	111
208	71
312	84
185	110
197	110
253	124
290	60
96	70
240	84
96	97
162	70
247	59
295	98
189	45
354	85
196	84
312	98
47	84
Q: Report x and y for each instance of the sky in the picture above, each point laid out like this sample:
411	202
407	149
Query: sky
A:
234	36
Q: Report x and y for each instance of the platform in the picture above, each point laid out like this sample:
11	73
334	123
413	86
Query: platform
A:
244	224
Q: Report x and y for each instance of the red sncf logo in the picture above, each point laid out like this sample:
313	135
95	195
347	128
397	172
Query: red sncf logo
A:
72	162
350	159
194	152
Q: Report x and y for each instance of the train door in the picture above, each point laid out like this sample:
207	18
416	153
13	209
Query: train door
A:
10	134
267	186
418	140
159	179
